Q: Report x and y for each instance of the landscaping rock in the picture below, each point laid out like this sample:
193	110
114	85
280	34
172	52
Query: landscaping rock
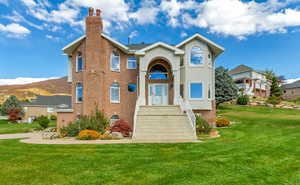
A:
50	135
117	135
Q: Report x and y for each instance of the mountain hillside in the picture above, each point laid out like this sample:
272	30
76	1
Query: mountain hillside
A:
23	92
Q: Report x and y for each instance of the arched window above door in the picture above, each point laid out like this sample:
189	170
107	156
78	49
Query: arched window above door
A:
158	71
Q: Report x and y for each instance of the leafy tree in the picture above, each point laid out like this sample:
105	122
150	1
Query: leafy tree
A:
226	89
11	103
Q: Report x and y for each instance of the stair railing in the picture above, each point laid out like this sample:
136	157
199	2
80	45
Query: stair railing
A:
136	110
186	107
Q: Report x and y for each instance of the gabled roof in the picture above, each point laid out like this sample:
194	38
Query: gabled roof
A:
160	44
217	49
136	47
243	68
240	69
292	85
68	49
62	102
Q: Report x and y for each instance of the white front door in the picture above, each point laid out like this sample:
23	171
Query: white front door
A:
158	94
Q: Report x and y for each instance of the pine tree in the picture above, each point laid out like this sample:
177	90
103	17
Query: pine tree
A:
226	89
276	92
11	103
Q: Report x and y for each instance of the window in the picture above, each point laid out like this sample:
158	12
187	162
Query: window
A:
50	109
196	56
79	92
115	93
196	90
158	71
131	63
79	63
113	119
115	61
131	87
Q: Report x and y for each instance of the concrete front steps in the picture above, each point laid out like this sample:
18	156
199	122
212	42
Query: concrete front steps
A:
162	123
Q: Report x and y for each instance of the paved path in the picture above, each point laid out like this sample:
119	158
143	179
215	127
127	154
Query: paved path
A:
36	138
18	136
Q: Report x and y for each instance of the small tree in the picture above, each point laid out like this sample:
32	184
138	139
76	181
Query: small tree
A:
276	92
226	90
14	115
11	103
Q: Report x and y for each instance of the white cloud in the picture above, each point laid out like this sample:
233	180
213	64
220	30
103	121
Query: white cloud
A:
29	3
5	2
239	19
183	34
16	17
51	37
173	8
14	30
133	34
147	13
22	80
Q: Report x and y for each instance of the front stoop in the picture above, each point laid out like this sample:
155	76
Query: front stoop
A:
163	123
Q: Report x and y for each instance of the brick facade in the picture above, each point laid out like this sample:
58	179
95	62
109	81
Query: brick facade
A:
97	78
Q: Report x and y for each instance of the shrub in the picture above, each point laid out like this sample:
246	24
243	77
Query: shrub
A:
53	117
202	126
122	127
43	121
105	137
222	122
243	100
274	100
70	130
14	115
88	135
95	122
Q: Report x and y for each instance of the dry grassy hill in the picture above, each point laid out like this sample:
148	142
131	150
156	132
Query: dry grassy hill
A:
28	91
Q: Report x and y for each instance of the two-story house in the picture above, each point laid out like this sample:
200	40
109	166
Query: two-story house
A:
157	87
250	82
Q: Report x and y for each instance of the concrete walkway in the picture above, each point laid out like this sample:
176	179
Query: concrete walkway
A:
36	138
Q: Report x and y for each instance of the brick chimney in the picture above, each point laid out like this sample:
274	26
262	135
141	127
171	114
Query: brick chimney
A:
93	22
94	56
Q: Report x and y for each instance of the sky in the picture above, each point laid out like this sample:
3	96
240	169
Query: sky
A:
260	34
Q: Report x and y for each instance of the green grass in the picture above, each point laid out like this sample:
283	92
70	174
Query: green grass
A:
11	128
261	148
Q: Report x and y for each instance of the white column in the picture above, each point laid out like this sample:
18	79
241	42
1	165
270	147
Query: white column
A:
69	68
142	87
176	83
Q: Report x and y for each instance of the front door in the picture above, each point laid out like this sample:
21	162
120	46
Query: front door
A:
158	94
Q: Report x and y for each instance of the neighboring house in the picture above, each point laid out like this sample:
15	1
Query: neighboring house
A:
291	91
44	105
250	81
143	84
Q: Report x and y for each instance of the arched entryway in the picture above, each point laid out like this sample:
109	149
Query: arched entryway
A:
159	83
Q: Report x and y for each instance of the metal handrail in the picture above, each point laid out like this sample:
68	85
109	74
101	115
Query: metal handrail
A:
137	107
187	108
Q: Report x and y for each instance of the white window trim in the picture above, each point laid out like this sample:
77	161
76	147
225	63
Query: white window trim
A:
110	95
50	109
77	70
203	90
76	89
203	52
111	56
131	60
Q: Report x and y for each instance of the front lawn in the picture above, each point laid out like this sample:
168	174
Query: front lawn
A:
261	148
11	128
